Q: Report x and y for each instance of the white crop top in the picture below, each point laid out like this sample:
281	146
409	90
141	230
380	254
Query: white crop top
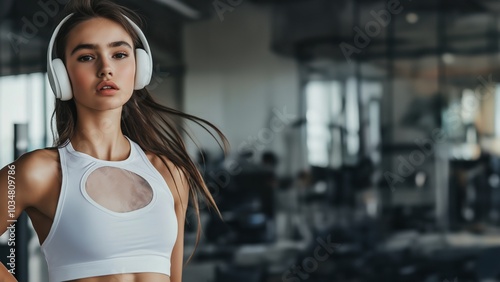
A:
112	217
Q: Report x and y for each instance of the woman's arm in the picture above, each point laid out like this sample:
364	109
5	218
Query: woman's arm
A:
12	203
178	251
5	276
22	184
179	187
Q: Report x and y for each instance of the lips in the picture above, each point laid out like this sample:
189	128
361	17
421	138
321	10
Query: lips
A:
106	86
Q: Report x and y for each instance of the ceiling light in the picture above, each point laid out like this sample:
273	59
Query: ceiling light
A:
412	18
448	58
181	8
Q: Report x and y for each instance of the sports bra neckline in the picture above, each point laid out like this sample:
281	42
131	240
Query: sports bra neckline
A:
72	150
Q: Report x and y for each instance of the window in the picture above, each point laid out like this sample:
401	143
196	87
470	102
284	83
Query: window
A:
324	122
336	122
25	99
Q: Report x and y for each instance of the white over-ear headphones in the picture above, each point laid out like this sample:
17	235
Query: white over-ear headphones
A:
59	79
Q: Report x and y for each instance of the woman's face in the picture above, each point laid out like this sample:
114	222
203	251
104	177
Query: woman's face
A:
100	60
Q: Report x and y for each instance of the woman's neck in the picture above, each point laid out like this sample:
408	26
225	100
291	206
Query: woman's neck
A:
105	142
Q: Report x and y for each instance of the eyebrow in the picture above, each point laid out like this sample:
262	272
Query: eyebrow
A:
94	46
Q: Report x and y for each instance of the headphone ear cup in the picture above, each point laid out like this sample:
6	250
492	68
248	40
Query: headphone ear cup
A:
144	69
61	80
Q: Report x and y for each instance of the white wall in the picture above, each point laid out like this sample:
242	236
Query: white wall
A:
234	80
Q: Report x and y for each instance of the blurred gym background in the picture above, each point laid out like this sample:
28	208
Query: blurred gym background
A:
365	137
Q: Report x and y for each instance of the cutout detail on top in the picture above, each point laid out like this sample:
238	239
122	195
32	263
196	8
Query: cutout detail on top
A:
118	189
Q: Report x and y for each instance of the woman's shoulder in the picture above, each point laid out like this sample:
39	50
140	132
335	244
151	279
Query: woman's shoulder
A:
156	161
39	160
38	168
165	171
35	173
173	175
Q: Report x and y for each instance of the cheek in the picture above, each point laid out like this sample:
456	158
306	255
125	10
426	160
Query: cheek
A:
79	77
129	74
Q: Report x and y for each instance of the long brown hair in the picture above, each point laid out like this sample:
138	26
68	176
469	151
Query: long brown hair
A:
154	127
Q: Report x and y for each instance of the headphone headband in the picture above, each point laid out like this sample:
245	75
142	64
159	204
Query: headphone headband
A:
144	70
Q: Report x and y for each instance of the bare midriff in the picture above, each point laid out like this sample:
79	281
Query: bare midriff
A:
130	277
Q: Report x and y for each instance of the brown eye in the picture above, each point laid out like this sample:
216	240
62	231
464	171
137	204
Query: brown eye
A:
121	55
85	58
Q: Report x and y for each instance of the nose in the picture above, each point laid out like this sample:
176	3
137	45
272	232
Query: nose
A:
105	69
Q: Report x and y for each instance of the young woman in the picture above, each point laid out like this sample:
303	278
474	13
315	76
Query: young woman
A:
109	201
